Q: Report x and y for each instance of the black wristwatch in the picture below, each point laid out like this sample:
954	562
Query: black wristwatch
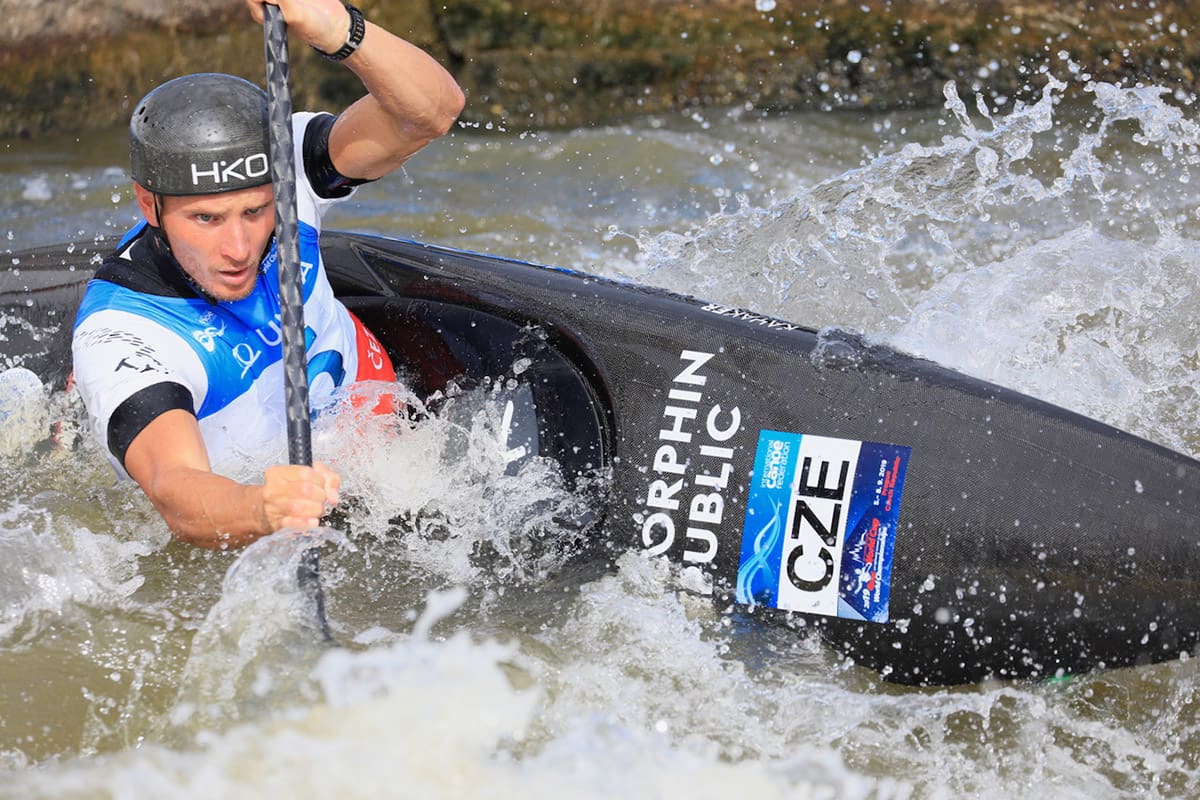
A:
358	27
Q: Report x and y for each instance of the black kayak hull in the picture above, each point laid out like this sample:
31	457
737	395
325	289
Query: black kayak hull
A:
1028	541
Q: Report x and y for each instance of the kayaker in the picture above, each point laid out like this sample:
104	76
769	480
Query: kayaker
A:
177	346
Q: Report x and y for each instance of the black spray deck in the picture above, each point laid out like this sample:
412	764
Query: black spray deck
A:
934	527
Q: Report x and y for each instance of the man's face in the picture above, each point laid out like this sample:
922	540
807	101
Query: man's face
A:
218	239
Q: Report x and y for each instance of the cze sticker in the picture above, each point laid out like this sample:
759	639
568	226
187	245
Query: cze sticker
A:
820	525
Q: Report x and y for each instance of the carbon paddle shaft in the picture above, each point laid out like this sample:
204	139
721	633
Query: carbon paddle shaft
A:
283	178
291	294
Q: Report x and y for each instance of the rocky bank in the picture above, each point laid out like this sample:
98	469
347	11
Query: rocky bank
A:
69	65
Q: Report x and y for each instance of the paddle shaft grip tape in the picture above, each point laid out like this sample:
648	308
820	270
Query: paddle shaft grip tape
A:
283	178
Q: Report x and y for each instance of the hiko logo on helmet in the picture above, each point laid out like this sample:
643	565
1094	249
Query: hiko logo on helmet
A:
222	172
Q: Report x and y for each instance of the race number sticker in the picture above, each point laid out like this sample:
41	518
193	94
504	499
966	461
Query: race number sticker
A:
820	525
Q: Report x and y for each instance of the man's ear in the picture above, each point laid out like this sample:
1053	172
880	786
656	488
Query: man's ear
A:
145	201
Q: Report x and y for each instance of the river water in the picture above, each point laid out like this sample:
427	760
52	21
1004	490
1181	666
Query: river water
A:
1050	247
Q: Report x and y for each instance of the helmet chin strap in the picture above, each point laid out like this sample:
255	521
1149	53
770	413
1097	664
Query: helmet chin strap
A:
161	232
157	226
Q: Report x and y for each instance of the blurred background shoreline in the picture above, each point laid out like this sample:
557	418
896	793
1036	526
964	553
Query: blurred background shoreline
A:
69	66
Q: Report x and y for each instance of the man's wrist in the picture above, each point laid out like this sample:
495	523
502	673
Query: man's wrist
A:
358	28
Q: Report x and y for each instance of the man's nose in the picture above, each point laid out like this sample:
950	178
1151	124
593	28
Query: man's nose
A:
236	242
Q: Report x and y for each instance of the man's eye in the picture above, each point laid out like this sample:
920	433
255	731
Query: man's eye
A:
254	212
205	218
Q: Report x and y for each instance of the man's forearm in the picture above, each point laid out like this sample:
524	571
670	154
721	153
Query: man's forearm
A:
410	85
209	510
411	101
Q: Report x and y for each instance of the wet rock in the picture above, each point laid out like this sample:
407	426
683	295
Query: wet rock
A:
69	65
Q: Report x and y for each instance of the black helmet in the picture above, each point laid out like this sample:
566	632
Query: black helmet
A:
200	134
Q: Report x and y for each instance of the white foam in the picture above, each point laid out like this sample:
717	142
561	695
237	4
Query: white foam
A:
37	189
24	415
431	719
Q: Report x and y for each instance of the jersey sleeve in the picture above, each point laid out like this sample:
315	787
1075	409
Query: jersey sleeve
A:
129	370
312	161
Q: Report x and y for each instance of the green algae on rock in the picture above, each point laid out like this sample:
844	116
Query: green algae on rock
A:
67	65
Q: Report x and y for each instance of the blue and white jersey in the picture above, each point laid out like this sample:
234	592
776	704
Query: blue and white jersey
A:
137	352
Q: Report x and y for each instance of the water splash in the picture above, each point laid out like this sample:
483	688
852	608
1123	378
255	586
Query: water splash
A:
263	618
440	489
1064	245
24	413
